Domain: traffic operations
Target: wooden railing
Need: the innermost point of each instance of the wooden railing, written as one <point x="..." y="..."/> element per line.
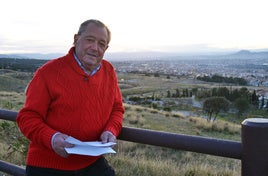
<point x="252" y="151"/>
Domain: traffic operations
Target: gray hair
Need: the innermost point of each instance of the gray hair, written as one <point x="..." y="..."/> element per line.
<point x="98" y="23"/>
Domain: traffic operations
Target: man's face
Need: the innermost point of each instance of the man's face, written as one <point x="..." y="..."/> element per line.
<point x="91" y="45"/>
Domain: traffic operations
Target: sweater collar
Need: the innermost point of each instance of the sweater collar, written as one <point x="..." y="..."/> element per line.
<point x="83" y="68"/>
<point x="75" y="64"/>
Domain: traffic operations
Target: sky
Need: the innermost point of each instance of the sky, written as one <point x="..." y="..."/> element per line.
<point x="48" y="26"/>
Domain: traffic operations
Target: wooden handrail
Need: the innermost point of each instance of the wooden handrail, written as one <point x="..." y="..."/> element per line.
<point x="252" y="151"/>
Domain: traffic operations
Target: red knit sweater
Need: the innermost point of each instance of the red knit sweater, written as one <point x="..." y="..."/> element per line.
<point x="62" y="98"/>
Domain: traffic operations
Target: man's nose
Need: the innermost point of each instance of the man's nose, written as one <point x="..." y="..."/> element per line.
<point x="94" y="45"/>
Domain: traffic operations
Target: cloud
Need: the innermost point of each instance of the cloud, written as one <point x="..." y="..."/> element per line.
<point x="31" y="46"/>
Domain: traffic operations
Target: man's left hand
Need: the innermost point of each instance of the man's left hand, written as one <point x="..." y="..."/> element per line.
<point x="107" y="136"/>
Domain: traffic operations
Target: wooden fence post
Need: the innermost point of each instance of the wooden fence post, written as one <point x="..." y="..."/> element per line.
<point x="255" y="147"/>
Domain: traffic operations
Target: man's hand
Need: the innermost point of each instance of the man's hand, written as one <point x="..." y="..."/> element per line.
<point x="107" y="136"/>
<point x="59" y="144"/>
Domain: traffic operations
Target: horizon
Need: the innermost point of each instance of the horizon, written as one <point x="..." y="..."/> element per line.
<point x="136" y="26"/>
<point x="147" y="55"/>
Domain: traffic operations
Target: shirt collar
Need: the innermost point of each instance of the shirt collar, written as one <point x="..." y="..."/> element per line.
<point x="83" y="68"/>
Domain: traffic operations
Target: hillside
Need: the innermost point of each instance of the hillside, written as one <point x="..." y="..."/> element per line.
<point x="21" y="64"/>
<point x="181" y="112"/>
<point x="144" y="160"/>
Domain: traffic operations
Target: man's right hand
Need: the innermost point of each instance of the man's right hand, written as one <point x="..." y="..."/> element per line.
<point x="59" y="144"/>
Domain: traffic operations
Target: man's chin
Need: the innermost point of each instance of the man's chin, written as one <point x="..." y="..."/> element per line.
<point x="92" y="61"/>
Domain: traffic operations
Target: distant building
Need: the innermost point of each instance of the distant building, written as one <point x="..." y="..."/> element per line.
<point x="263" y="99"/>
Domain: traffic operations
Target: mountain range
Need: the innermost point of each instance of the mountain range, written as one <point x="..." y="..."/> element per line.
<point x="121" y="56"/>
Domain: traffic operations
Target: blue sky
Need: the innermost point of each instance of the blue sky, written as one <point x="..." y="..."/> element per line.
<point x="48" y="26"/>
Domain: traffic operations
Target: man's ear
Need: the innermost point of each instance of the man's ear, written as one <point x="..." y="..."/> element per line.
<point x="75" y="38"/>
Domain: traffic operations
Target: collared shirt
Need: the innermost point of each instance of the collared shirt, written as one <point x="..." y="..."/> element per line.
<point x="83" y="68"/>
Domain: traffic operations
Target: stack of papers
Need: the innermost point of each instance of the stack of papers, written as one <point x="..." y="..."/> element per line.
<point x="89" y="148"/>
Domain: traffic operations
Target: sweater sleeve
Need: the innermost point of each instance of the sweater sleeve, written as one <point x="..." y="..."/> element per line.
<point x="116" y="117"/>
<point x="31" y="118"/>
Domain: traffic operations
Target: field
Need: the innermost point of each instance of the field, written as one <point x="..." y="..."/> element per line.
<point x="132" y="158"/>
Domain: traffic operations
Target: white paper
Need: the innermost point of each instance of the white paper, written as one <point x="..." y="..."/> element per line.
<point x="95" y="148"/>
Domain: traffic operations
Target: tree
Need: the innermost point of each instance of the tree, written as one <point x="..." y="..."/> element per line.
<point x="234" y="95"/>
<point x="214" y="91"/>
<point x="213" y="105"/>
<point x="168" y="94"/>
<point x="223" y="92"/>
<point x="156" y="75"/>
<point x="177" y="94"/>
<point x="244" y="92"/>
<point x="241" y="105"/>
<point x="186" y="93"/>
<point x="254" y="98"/>
<point x="194" y="91"/>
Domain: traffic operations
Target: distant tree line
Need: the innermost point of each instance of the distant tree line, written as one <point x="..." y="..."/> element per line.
<point x="144" y="100"/>
<point x="219" y="99"/>
<point x="221" y="79"/>
<point x="229" y="93"/>
<point x="25" y="65"/>
<point x="184" y="93"/>
<point x="214" y="100"/>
